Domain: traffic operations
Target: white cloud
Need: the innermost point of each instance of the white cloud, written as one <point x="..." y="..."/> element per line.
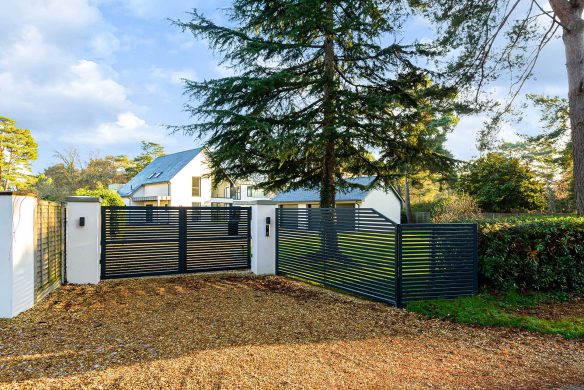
<point x="174" y="76"/>
<point x="55" y="80"/>
<point x="61" y="21"/>
<point x="181" y="41"/>
<point x="73" y="76"/>
<point x="75" y="95"/>
<point x="89" y="83"/>
<point x="177" y="77"/>
<point x="30" y="55"/>
<point x="222" y="70"/>
<point x="508" y="133"/>
<point x="127" y="129"/>
<point x="158" y="9"/>
<point x="462" y="141"/>
<point x="105" y="44"/>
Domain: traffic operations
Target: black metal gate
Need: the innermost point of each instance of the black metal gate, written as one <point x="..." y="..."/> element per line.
<point x="348" y="249"/>
<point x="146" y="241"/>
<point x="362" y="252"/>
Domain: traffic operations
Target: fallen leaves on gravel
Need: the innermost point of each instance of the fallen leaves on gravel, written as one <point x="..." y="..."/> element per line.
<point x="241" y="331"/>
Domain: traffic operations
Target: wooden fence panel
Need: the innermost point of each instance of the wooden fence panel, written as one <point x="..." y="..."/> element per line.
<point x="49" y="247"/>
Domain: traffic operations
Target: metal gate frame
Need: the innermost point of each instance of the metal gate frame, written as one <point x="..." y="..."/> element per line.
<point x="377" y="258"/>
<point x="185" y="234"/>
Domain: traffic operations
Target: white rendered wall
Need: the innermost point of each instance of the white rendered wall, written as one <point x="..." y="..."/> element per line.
<point x="244" y="196"/>
<point x="158" y="189"/>
<point x="181" y="185"/>
<point x="386" y="203"/>
<point x="17" y="214"/>
<point x="6" y="256"/>
<point x="139" y="192"/>
<point x="83" y="242"/>
<point x="263" y="247"/>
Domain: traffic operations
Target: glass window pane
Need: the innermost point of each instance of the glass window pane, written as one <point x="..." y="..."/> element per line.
<point x="196" y="186"/>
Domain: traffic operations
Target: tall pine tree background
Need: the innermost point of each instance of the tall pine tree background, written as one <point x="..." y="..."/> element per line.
<point x="323" y="91"/>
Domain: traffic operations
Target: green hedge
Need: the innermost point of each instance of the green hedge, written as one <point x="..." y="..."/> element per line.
<point x="543" y="254"/>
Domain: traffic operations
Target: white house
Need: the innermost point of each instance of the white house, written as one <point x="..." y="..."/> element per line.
<point x="181" y="179"/>
<point x="387" y="203"/>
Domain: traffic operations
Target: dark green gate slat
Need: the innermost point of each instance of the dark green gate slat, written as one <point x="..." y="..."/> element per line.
<point x="438" y="261"/>
<point x="374" y="257"/>
<point x="145" y="241"/>
<point x="348" y="249"/>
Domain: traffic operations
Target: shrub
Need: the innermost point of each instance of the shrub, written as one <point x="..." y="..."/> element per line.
<point x="456" y="209"/>
<point x="502" y="184"/>
<point x="108" y="197"/>
<point x="545" y="254"/>
<point x="423" y="207"/>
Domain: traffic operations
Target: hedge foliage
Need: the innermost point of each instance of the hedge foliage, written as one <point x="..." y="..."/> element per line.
<point x="108" y="197"/>
<point x="543" y="254"/>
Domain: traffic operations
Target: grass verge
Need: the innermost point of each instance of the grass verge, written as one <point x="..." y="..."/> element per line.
<point x="505" y="310"/>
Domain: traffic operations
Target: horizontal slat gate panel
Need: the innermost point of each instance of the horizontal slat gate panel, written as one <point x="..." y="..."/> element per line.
<point x="143" y="241"/>
<point x="349" y="249"/>
<point x="360" y="251"/>
<point x="216" y="255"/>
<point x="438" y="261"/>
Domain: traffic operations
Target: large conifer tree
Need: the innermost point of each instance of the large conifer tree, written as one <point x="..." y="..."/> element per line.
<point x="319" y="87"/>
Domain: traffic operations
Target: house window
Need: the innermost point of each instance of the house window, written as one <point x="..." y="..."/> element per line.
<point x="196" y="186"/>
<point x="254" y="192"/>
<point x="232" y="192"/>
<point x="196" y="204"/>
<point x="154" y="175"/>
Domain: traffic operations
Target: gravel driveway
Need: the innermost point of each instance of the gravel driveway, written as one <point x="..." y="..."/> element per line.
<point x="233" y="330"/>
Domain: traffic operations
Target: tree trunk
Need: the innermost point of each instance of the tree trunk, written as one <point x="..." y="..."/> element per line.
<point x="409" y="215"/>
<point x="328" y="185"/>
<point x="330" y="237"/>
<point x="6" y="175"/>
<point x="574" y="45"/>
<point x="570" y="14"/>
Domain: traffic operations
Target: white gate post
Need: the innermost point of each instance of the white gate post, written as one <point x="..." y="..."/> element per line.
<point x="83" y="239"/>
<point x="263" y="236"/>
<point x="17" y="212"/>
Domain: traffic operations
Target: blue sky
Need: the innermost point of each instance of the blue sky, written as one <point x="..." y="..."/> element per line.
<point x="101" y="75"/>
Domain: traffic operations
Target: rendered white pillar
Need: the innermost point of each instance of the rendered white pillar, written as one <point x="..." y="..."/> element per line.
<point x="83" y="242"/>
<point x="17" y="214"/>
<point x="263" y="246"/>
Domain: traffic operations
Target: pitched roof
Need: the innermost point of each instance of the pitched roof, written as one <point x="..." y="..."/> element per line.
<point x="161" y="170"/>
<point x="307" y="195"/>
